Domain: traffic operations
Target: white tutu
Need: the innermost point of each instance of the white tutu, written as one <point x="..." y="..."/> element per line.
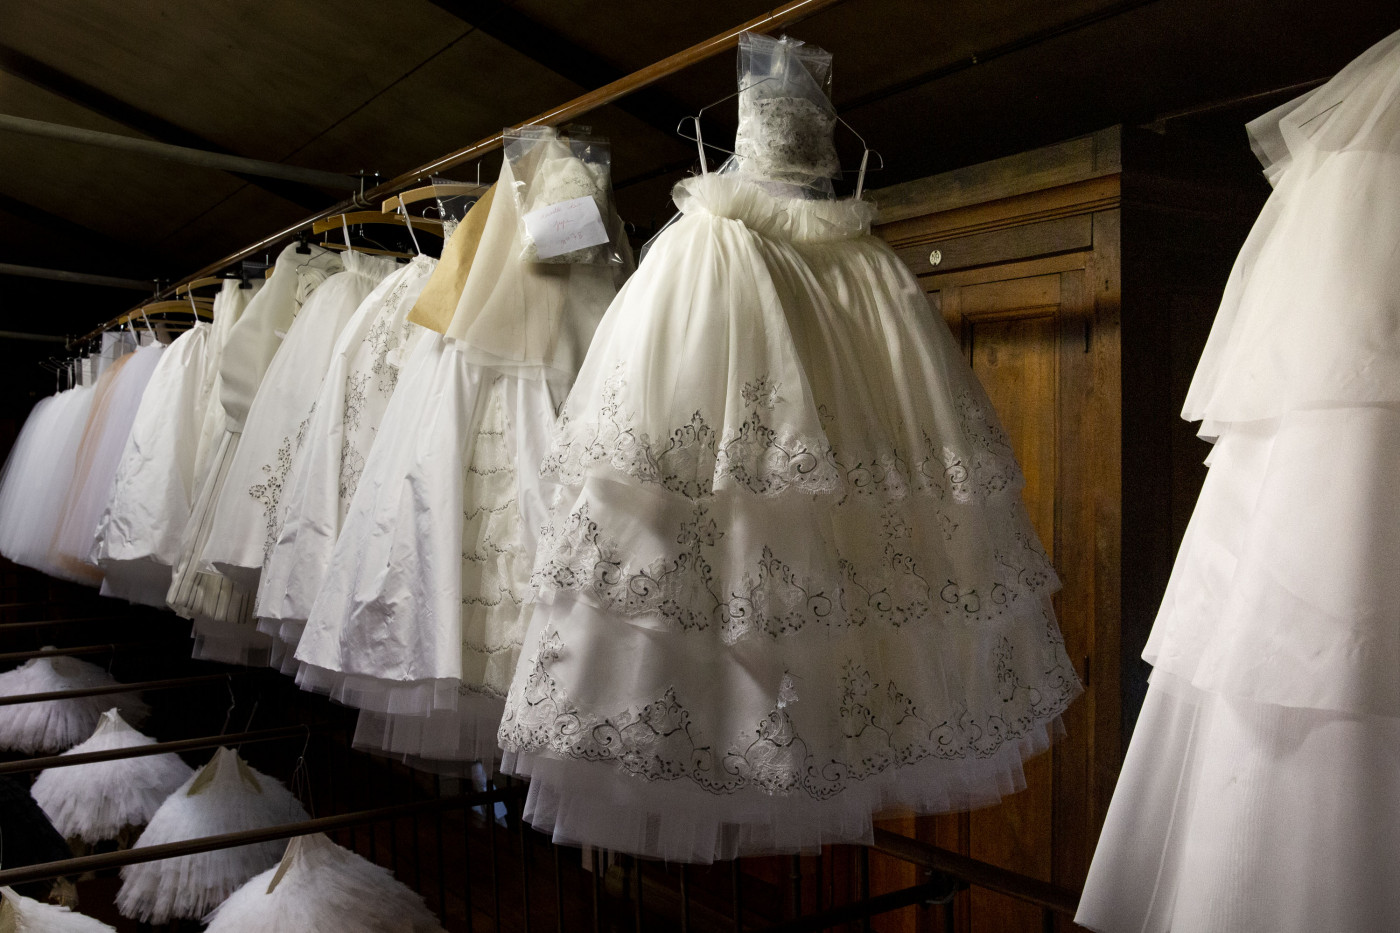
<point x="789" y="581"/>
<point x="363" y="372"/>
<point x="51" y="726"/>
<point x="27" y="461"/>
<point x="20" y="914"/>
<point x="138" y="534"/>
<point x="94" y="802"/>
<point x="117" y="398"/>
<point x="321" y="886"/>
<point x="1261" y="790"/>
<point x="225" y="796"/>
<point x="43" y="491"/>
<point x="419" y="619"/>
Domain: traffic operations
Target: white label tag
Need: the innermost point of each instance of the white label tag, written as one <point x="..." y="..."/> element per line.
<point x="566" y="226"/>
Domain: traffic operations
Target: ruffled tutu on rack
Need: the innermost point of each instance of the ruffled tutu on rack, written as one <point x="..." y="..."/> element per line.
<point x="322" y="886"/>
<point x="789" y="581"/>
<point x="224" y="796"/>
<point x="95" y="802"/>
<point x="21" y="914"/>
<point x="51" y="726"/>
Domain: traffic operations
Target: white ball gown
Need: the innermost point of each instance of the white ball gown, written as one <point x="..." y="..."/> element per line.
<point x="788" y="581"/>
<point x="419" y="620"/>
<point x="1261" y="789"/>
<point x="138" y="534"/>
<point x="345" y="418"/>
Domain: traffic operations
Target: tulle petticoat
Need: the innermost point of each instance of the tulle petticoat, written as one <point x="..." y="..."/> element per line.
<point x="37" y="502"/>
<point x="110" y="422"/>
<point x="788" y="581"/>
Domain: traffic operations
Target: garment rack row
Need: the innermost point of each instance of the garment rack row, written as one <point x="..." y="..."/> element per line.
<point x="781" y="17"/>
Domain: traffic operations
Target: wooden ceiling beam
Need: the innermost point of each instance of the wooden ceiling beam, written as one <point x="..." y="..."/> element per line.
<point x="94" y="99"/>
<point x="559" y="54"/>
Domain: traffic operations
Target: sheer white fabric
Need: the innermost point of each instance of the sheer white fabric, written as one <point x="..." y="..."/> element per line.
<point x="38" y="499"/>
<point x="1261" y="790"/>
<point x="115" y="405"/>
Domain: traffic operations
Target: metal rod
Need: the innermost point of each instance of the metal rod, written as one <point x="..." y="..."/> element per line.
<point x="781" y="17"/>
<point x="110" y="689"/>
<point x="861" y="910"/>
<point x="80" y="278"/>
<point x="36" y="338"/>
<point x="29" y="765"/>
<point x="106" y="860"/>
<point x="78" y="651"/>
<point x="596" y="865"/>
<point x="159" y="150"/>
<point x="736" y="881"/>
<point x="1000" y="880"/>
<point x="441" y="859"/>
<point x="558" y="890"/>
<point x="38" y="623"/>
<point x="796" y="877"/>
<point x="637" y="899"/>
<point x="864" y="862"/>
<point x="685" y="898"/>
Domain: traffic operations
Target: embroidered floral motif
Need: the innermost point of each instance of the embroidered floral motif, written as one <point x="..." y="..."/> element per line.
<point x="269" y="492"/>
<point x="880" y="727"/>
<point x="352" y="465"/>
<point x="355" y="399"/>
<point x="687" y="590"/>
<point x="694" y="460"/>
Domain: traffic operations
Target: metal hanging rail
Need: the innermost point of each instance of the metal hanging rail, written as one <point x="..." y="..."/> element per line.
<point x="30" y="765"/>
<point x="110" y="689"/>
<point x="201" y="157"/>
<point x="781" y="17"/>
<point x="105" y="860"/>
<point x="79" y="651"/>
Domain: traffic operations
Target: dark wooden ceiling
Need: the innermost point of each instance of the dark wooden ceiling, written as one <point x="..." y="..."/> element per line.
<point x="384" y="86"/>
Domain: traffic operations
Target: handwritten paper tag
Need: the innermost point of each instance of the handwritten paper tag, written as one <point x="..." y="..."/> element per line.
<point x="566" y="226"/>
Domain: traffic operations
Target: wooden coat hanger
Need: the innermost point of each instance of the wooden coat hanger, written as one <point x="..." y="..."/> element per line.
<point x="203" y="307"/>
<point x="427" y="192"/>
<point x="204" y="282"/>
<point x="336" y="221"/>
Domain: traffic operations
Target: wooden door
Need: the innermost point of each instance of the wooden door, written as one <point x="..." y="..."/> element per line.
<point x="1042" y="336"/>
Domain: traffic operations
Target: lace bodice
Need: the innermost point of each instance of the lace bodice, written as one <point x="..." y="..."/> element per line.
<point x="786" y="120"/>
<point x="786" y="138"/>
